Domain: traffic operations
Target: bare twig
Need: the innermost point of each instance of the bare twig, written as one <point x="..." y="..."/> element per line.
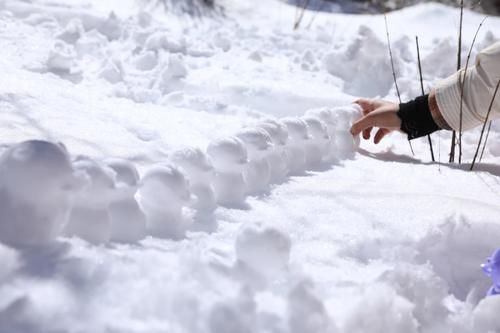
<point x="423" y="93"/>
<point x="393" y="70"/>
<point x="462" y="86"/>
<point x="484" y="124"/>
<point x="485" y="141"/>
<point x="319" y="9"/>
<point x="459" y="64"/>
<point x="299" y="13"/>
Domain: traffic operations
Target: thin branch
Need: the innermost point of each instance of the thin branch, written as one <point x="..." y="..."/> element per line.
<point x="391" y="57"/>
<point x="484" y="125"/>
<point x="299" y="14"/>
<point x="462" y="86"/>
<point x="485" y="141"/>
<point x="459" y="64"/>
<point x="318" y="10"/>
<point x="423" y="93"/>
<point x="393" y="70"/>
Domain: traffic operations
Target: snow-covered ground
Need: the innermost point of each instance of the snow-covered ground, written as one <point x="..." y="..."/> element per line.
<point x="171" y="140"/>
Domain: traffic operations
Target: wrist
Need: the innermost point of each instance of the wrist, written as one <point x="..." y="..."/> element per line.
<point x="416" y="118"/>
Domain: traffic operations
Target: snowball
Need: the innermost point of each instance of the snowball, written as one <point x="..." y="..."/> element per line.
<point x="195" y="164"/>
<point x="306" y="311"/>
<point x="128" y="222"/>
<point x="344" y="116"/>
<point x="298" y="136"/>
<point x="36" y="185"/>
<point x="380" y="310"/>
<point x="61" y="57"/>
<point x="163" y="193"/>
<point x="264" y="250"/>
<point x="126" y="172"/>
<point x="199" y="170"/>
<point x="276" y="130"/>
<point x="259" y="146"/>
<point x="90" y="218"/>
<point x="228" y="154"/>
<point x="297" y="129"/>
<point x="164" y="185"/>
<point x="319" y="147"/>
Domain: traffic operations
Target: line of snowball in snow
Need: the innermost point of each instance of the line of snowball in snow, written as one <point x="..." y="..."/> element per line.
<point x="45" y="194"/>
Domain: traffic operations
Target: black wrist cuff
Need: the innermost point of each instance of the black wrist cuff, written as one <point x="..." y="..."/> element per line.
<point x="416" y="118"/>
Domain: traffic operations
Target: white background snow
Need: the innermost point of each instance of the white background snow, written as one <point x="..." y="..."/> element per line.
<point x="169" y="157"/>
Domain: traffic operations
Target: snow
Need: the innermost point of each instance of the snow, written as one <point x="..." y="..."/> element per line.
<point x="204" y="166"/>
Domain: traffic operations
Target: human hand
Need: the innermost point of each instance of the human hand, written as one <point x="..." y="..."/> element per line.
<point x="376" y="113"/>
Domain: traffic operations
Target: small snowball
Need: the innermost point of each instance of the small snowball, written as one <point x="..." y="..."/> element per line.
<point x="61" y="57"/>
<point x="199" y="170"/>
<point x="163" y="193"/>
<point x="128" y="222"/>
<point x="344" y="116"/>
<point x="195" y="163"/>
<point x="259" y="146"/>
<point x="229" y="157"/>
<point x="278" y="159"/>
<point x="37" y="183"/>
<point x="296" y="148"/>
<point x="126" y="172"/>
<point x="146" y="61"/>
<point x="90" y="218"/>
<point x="319" y="147"/>
<point x="264" y="250"/>
<point x="228" y="154"/>
<point x="257" y="141"/>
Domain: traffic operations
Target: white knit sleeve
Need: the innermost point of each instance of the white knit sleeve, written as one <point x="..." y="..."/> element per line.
<point x="479" y="86"/>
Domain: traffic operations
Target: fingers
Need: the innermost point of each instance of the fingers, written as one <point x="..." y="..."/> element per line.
<point x="380" y="135"/>
<point x="365" y="123"/>
<point x="365" y="104"/>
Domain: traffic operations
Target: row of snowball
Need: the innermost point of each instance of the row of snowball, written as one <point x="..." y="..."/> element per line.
<point x="43" y="193"/>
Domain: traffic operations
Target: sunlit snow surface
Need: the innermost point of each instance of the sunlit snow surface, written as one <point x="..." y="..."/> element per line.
<point x="372" y="241"/>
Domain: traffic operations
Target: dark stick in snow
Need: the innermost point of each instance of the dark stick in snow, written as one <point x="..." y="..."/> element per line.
<point x="393" y="70"/>
<point x="484" y="125"/>
<point x="423" y="93"/>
